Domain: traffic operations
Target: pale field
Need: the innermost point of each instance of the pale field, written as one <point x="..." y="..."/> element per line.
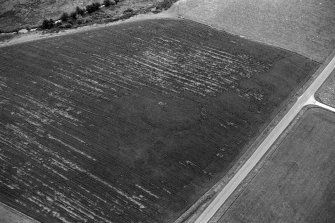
<point x="306" y="27"/>
<point x="8" y="215"/>
<point x="326" y="94"/>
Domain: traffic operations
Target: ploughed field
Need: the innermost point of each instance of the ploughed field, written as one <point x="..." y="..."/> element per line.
<point x="297" y="182"/>
<point x="132" y="123"/>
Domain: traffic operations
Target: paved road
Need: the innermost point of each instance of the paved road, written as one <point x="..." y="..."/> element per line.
<point x="306" y="98"/>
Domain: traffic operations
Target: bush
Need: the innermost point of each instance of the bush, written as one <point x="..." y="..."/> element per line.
<point x="73" y="15"/>
<point x="107" y="3"/>
<point x="68" y="25"/>
<point x="127" y="14"/>
<point x="64" y="17"/>
<point x="57" y="24"/>
<point x="65" y="26"/>
<point x="80" y="11"/>
<point x="93" y="7"/>
<point x="165" y="4"/>
<point x="128" y="11"/>
<point x="47" y="24"/>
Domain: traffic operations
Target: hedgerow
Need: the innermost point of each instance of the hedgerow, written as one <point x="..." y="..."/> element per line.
<point x="80" y="11"/>
<point x="47" y="24"/>
<point x="64" y="17"/>
<point x="93" y="7"/>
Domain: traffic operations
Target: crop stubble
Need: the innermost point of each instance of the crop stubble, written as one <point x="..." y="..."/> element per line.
<point x="133" y="122"/>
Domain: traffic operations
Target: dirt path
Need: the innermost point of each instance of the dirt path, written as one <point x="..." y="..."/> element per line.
<point x="28" y="37"/>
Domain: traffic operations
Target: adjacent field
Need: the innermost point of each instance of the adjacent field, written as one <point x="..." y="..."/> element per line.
<point x="306" y="27"/>
<point x="326" y="94"/>
<point x="297" y="182"/>
<point x="134" y="122"/>
<point x="8" y="215"/>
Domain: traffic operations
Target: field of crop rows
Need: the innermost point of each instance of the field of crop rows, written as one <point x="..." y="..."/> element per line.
<point x="132" y="123"/>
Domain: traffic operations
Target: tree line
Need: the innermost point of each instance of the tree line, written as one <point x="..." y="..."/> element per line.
<point x="65" y="17"/>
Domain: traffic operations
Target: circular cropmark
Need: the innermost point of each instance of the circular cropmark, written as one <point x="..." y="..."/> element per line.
<point x="174" y="114"/>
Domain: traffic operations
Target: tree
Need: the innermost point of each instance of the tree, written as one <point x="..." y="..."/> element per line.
<point x="165" y="4"/>
<point x="80" y="11"/>
<point x="47" y="24"/>
<point x="73" y="15"/>
<point x="107" y="3"/>
<point x="64" y="17"/>
<point x="93" y="7"/>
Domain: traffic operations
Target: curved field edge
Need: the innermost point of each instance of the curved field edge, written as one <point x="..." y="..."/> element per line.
<point x="137" y="120"/>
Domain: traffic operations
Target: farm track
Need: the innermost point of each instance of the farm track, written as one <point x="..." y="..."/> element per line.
<point x="133" y="122"/>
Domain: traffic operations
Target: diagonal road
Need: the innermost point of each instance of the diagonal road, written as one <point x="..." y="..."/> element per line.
<point x="306" y="98"/>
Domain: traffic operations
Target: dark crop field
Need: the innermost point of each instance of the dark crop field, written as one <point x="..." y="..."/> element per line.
<point x="132" y="123"/>
<point x="297" y="183"/>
